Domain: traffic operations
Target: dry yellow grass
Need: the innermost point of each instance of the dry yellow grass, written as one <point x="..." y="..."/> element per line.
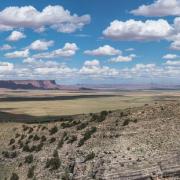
<point x="79" y="106"/>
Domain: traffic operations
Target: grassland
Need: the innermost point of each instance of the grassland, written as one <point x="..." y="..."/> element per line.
<point x="57" y="103"/>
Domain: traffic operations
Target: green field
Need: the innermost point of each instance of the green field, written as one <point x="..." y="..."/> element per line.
<point x="55" y="103"/>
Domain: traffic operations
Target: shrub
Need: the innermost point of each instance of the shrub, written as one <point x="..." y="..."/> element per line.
<point x="52" y="140"/>
<point x="104" y="113"/>
<point x="82" y="126"/>
<point x="27" y="142"/>
<point x="26" y="148"/>
<point x="6" y="154"/>
<point x="87" y="135"/>
<point x="20" y="144"/>
<point x="94" y="117"/>
<point x="122" y="114"/>
<point x="99" y="118"/>
<point x="38" y="147"/>
<point x="43" y="128"/>
<point x="30" y="137"/>
<point x="60" y="143"/>
<point x="36" y="138"/>
<point x="14" y="176"/>
<point x="29" y="159"/>
<point x="65" y="176"/>
<point x="13" y="154"/>
<point x="55" y="154"/>
<point x="69" y="124"/>
<point x="13" y="147"/>
<point x="89" y="157"/>
<point x="43" y="138"/>
<point x="30" y="173"/>
<point x="126" y="122"/>
<point x="12" y="141"/>
<point x="54" y="162"/>
<point x="30" y="130"/>
<point x="17" y="135"/>
<point x="25" y="128"/>
<point x="22" y="137"/>
<point x="53" y="130"/>
<point x="72" y="139"/>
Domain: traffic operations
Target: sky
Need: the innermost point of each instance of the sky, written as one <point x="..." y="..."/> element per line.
<point x="93" y="41"/>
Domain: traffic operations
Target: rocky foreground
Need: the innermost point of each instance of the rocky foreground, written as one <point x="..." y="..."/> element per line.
<point x="138" y="143"/>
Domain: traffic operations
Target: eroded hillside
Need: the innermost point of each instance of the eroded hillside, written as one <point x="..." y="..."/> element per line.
<point x="136" y="143"/>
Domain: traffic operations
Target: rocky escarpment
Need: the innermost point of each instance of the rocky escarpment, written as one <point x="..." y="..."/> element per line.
<point x="136" y="143"/>
<point x="28" y="84"/>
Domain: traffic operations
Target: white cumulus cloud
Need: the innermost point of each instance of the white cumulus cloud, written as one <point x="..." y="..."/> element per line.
<point x="172" y="63"/>
<point x="68" y="50"/>
<point x="170" y="56"/>
<point x="159" y="8"/>
<point x="16" y="36"/>
<point x="5" y="67"/>
<point x="55" y="17"/>
<point x="5" y="47"/>
<point x="41" y="45"/>
<point x="18" y="54"/>
<point x="122" y="58"/>
<point x="105" y="50"/>
<point x="138" y="30"/>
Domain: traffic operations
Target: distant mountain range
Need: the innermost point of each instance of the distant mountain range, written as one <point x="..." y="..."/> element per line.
<point x="29" y="84"/>
<point x="52" y="85"/>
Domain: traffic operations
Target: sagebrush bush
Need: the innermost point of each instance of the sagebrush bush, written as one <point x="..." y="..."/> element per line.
<point x="30" y="173"/>
<point x="126" y="122"/>
<point x="53" y="163"/>
<point x="13" y="147"/>
<point x="26" y="148"/>
<point x="8" y="154"/>
<point x="39" y="147"/>
<point x="22" y="137"/>
<point x="72" y="139"/>
<point x="29" y="159"/>
<point x="99" y="118"/>
<point x="89" y="156"/>
<point x="13" y="154"/>
<point x="25" y="128"/>
<point x="36" y="138"/>
<point x="53" y="130"/>
<point x="52" y="140"/>
<point x="70" y="124"/>
<point x="30" y="130"/>
<point x="82" y="126"/>
<point x="87" y="135"/>
<point x="30" y="137"/>
<point x="14" y="176"/>
<point x="12" y="141"/>
<point x="43" y="138"/>
<point x="17" y="135"/>
<point x="60" y="143"/>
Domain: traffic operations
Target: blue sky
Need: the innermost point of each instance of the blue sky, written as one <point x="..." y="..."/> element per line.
<point x="90" y="41"/>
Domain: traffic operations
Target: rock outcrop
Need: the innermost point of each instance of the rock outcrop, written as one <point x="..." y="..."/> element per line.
<point x="28" y="84"/>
